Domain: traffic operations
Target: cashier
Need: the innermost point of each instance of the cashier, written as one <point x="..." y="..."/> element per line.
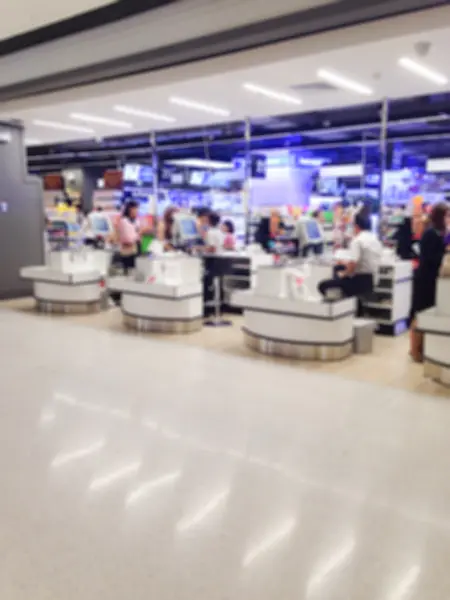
<point x="203" y="224"/>
<point x="215" y="237"/>
<point x="269" y="229"/>
<point x="165" y="231"/>
<point x="129" y="235"/>
<point x="357" y="276"/>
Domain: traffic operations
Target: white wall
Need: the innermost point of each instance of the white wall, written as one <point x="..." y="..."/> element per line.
<point x="282" y="185"/>
<point x="25" y="15"/>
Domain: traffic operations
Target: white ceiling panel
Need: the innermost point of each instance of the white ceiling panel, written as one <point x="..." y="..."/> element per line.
<point x="22" y="16"/>
<point x="178" y="22"/>
<point x="221" y="87"/>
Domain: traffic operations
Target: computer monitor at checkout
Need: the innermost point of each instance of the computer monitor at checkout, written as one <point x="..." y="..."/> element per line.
<point x="185" y="229"/>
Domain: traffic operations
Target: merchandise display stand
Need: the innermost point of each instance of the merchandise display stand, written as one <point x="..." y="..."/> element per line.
<point x="390" y="304"/>
<point x="164" y="295"/>
<point x="435" y="325"/>
<point x="70" y="282"/>
<point x="278" y="321"/>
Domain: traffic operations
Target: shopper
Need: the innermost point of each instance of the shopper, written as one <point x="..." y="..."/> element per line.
<point x="203" y="223"/>
<point x="269" y="229"/>
<point x="165" y="228"/>
<point x="357" y="276"/>
<point x="214" y="239"/>
<point x="229" y="242"/>
<point x="129" y="236"/>
<point x="432" y="250"/>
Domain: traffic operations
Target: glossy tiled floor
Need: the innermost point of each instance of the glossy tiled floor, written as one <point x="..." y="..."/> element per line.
<point x="136" y="468"/>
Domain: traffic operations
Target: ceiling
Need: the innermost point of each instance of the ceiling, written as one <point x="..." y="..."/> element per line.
<point x="28" y="16"/>
<point x="368" y="55"/>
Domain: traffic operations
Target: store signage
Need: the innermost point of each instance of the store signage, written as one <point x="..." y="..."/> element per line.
<point x="258" y="166"/>
<point x="173" y="176"/>
<point x="113" y="179"/>
<point x="53" y="182"/>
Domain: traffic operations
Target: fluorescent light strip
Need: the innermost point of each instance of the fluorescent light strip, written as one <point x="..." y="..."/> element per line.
<point x="101" y="120"/>
<point x="62" y="126"/>
<point x="273" y="95"/>
<point x="213" y="504"/>
<point x="200" y="163"/>
<point x="122" y="473"/>
<point x="343" y="82"/>
<point x="146" y="488"/>
<point x="185" y="103"/>
<point x="270" y="541"/>
<point x="63" y="459"/>
<point x="422" y="71"/>
<point x="137" y="112"/>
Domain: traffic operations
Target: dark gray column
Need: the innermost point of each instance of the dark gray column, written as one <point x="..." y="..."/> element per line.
<point x="21" y="213"/>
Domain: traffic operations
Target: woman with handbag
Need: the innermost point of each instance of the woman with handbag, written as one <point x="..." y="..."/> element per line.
<point x="129" y="236"/>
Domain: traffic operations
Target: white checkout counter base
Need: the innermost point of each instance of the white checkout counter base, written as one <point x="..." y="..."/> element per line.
<point x="160" y="308"/>
<point x="435" y="325"/>
<point x="299" y="329"/>
<point x="62" y="292"/>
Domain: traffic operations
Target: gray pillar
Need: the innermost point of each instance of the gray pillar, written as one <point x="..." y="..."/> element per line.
<point x="248" y="178"/>
<point x="21" y="213"/>
<point x="383" y="143"/>
<point x="155" y="164"/>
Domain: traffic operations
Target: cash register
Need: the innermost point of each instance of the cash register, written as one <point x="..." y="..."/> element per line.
<point x="310" y="237"/>
<point x="185" y="232"/>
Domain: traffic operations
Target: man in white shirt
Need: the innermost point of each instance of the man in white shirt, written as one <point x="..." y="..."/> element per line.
<point x="358" y="276"/>
<point x="215" y="238"/>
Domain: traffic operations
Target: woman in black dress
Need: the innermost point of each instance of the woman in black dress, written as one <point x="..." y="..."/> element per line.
<point x="432" y="250"/>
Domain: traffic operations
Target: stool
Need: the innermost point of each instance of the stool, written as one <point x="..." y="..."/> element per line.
<point x="363" y="330"/>
<point x="216" y="268"/>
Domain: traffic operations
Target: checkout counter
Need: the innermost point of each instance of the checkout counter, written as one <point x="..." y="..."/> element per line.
<point x="70" y="281"/>
<point x="284" y="315"/>
<point x="163" y="295"/>
<point x="435" y="325"/>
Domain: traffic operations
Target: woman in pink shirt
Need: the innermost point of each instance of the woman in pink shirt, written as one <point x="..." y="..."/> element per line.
<point x="229" y="242"/>
<point x="129" y="235"/>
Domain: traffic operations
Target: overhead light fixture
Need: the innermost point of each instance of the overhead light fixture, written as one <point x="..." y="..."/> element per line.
<point x="62" y="126"/>
<point x="343" y="82"/>
<point x="137" y="112"/>
<point x="213" y="110"/>
<point x="101" y="120"/>
<point x="201" y="163"/>
<point x="422" y="71"/>
<point x="272" y="94"/>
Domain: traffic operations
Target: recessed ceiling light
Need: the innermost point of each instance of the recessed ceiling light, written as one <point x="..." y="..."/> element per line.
<point x="418" y="69"/>
<point x="213" y="110"/>
<point x="137" y="112"/>
<point x="344" y="82"/>
<point x="62" y="126"/>
<point x="273" y="95"/>
<point x="100" y="120"/>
